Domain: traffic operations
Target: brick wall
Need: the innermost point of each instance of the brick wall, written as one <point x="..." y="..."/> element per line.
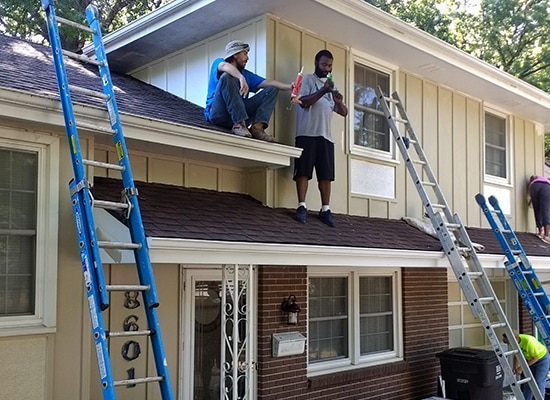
<point x="425" y="327"/>
<point x="525" y="322"/>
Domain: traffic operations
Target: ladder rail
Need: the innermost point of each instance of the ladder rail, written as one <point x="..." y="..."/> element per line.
<point x="135" y="223"/>
<point x="459" y="249"/>
<point x="83" y="204"/>
<point x="519" y="268"/>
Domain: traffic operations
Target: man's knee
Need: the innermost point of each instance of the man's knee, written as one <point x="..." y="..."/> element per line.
<point x="228" y="81"/>
<point x="271" y="91"/>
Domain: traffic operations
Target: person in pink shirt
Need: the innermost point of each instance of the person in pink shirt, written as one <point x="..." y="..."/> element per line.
<point x="539" y="197"/>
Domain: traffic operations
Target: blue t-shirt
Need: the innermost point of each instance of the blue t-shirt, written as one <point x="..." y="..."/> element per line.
<point x="251" y="78"/>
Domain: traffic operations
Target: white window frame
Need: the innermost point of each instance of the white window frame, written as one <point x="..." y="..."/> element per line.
<point x="492" y="178"/>
<point x="365" y="60"/>
<point x="509" y="305"/>
<point x="355" y="360"/>
<point x="47" y="148"/>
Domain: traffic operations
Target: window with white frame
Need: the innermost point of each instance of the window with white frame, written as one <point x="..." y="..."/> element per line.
<point x="18" y="202"/>
<point x="28" y="231"/>
<point x="495" y="146"/>
<point x="465" y="329"/>
<point x="353" y="318"/>
<point x="370" y="127"/>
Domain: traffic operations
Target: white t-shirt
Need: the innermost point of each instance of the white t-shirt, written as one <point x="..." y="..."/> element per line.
<point x="315" y="120"/>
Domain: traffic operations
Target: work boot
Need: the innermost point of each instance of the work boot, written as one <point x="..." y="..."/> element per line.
<point x="257" y="130"/>
<point x="239" y="129"/>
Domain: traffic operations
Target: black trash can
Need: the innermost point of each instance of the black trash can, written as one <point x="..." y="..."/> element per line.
<point x="471" y="374"/>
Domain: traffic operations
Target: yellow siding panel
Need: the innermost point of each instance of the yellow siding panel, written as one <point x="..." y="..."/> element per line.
<point x="202" y="176"/>
<point x="459" y="159"/>
<point x="166" y="171"/>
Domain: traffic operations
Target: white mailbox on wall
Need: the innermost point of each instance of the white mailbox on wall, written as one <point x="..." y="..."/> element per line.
<point x="288" y="344"/>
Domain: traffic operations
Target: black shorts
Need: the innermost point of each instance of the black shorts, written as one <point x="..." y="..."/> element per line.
<point x="317" y="152"/>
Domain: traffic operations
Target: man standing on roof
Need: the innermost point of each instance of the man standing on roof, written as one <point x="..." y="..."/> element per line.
<point x="227" y="101"/>
<point x="317" y="99"/>
<point x="538" y="359"/>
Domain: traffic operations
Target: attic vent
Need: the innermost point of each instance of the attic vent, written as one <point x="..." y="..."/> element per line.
<point x="430" y="67"/>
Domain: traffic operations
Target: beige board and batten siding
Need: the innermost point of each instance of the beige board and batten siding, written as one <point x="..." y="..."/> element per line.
<point x="449" y="123"/>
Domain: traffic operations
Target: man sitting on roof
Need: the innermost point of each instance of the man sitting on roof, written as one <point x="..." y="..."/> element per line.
<point x="227" y="101"/>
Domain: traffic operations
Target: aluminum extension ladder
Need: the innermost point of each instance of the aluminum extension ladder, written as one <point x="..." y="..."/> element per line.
<point x="458" y="248"/>
<point x="97" y="291"/>
<point x="519" y="268"/>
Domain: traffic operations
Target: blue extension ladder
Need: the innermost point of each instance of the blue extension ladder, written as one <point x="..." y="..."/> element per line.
<point x="97" y="291"/>
<point x="519" y="268"/>
<point x="457" y="246"/>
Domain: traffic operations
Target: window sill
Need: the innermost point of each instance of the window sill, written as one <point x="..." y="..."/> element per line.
<point x="356" y="374"/>
<point x="27" y="330"/>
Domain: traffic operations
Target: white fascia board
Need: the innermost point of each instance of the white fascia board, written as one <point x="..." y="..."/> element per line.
<point x="200" y="139"/>
<point x="414" y="37"/>
<point x="150" y="22"/>
<point x="191" y="251"/>
<point x="20" y="105"/>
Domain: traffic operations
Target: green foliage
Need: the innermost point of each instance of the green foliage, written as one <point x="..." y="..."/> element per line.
<point x="512" y="35"/>
<point x="26" y="18"/>
<point x="509" y="34"/>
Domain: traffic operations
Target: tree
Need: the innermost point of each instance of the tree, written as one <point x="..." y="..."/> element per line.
<point x="509" y="34"/>
<point x="26" y="19"/>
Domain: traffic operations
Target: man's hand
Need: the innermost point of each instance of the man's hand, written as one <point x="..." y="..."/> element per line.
<point x="244" y="86"/>
<point x="338" y="98"/>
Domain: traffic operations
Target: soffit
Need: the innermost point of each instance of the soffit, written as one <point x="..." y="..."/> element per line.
<point x="353" y="22"/>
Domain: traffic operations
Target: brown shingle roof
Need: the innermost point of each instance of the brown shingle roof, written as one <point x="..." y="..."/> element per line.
<point x="177" y="212"/>
<point x="203" y="214"/>
<point x="29" y="67"/>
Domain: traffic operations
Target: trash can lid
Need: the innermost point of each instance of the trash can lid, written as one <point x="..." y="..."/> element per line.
<point x="468" y="354"/>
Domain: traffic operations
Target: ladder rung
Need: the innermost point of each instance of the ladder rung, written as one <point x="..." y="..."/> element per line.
<point x="80" y="57"/>
<point x="95" y="127"/>
<point x="390" y="99"/>
<point x="499" y="325"/>
<point x="118" y="245"/>
<point x="485" y="300"/>
<point x="475" y="273"/>
<point x="440" y="206"/>
<point x="453" y="226"/>
<point x="510" y="352"/>
<point x="427" y="183"/>
<point x="138" y="380"/>
<point x="522" y="381"/>
<point x="103" y="165"/>
<point x="93" y="93"/>
<point x="539" y="294"/>
<point x="126" y="288"/>
<point x="110" y="205"/>
<point x="74" y="24"/>
<point x="404" y="121"/>
<point x="146" y="332"/>
<point x="419" y="162"/>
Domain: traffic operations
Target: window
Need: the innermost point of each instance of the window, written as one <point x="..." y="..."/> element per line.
<point x="18" y="196"/>
<point x="370" y="127"/>
<point x="352" y="318"/>
<point x="465" y="329"/>
<point x="495" y="146"/>
<point x="29" y="177"/>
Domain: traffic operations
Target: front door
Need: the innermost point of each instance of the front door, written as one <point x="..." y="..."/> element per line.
<point x="218" y="362"/>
